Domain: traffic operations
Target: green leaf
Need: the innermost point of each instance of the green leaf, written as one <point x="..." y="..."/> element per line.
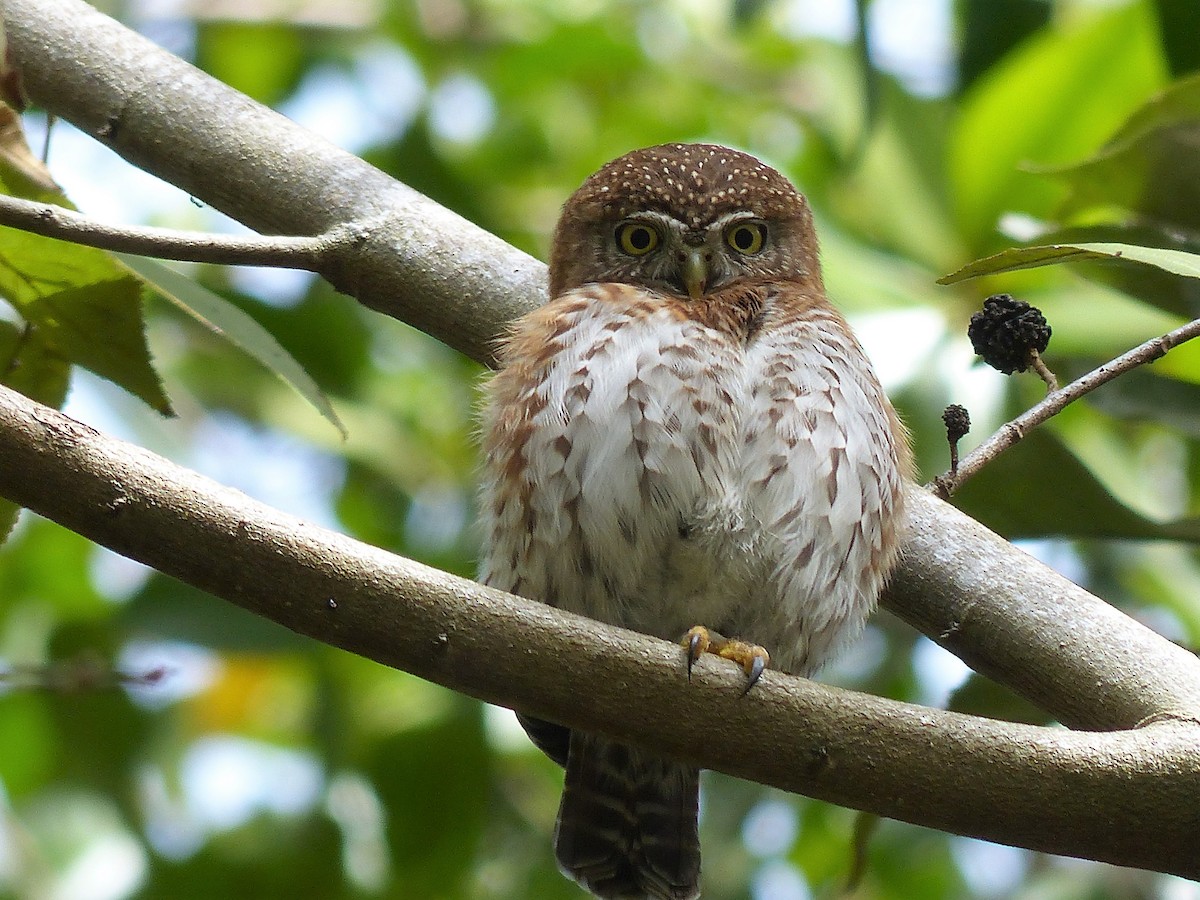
<point x="99" y="326"/>
<point x="1141" y="395"/>
<point x="83" y="304"/>
<point x="1175" y="294"/>
<point x="31" y="367"/>
<point x="263" y="60"/>
<point x="1178" y="25"/>
<point x="28" y="746"/>
<point x="1177" y="262"/>
<point x="1012" y="496"/>
<point x="980" y="696"/>
<point x="992" y="28"/>
<point x="434" y="822"/>
<point x="1150" y="166"/>
<point x="175" y="611"/>
<point x="236" y="326"/>
<point x="1055" y="99"/>
<point x="48" y="565"/>
<point x="896" y="195"/>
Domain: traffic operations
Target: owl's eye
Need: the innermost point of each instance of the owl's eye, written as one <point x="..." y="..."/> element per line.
<point x="636" y="238"/>
<point x="746" y="237"/>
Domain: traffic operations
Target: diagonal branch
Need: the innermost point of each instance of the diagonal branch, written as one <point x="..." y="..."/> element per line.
<point x="422" y="263"/>
<point x="1036" y="787"/>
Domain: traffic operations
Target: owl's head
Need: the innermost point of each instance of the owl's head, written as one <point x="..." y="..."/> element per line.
<point x="685" y="220"/>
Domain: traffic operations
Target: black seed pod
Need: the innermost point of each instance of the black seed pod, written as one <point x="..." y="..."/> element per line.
<point x="958" y="422"/>
<point x="1007" y="332"/>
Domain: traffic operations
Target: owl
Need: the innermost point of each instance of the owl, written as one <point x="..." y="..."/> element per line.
<point x="687" y="441"/>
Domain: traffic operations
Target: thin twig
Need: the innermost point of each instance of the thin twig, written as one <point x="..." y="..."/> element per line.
<point x="1039" y="365"/>
<point x="76" y="676"/>
<point x="283" y="251"/>
<point x="1054" y="403"/>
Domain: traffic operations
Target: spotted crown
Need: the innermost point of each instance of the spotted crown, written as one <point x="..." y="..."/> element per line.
<point x="705" y="180"/>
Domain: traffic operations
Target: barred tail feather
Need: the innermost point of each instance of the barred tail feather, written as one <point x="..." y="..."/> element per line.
<point x="627" y="824"/>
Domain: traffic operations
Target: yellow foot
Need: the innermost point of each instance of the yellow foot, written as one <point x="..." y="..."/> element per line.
<point x="752" y="658"/>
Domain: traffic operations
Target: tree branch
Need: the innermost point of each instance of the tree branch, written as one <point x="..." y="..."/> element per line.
<point x="290" y="252"/>
<point x="1056" y="401"/>
<point x="1107" y="796"/>
<point x="1114" y="797"/>
<point x="417" y="261"/>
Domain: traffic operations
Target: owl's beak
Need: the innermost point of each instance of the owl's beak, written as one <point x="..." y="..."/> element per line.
<point x="695" y="272"/>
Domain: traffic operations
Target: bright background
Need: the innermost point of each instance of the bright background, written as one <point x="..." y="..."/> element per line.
<point x="266" y="765"/>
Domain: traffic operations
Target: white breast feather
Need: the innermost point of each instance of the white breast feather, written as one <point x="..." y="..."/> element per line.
<point x="678" y="478"/>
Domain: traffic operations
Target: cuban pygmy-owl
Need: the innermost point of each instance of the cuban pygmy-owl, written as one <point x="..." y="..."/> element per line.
<point x="687" y="434"/>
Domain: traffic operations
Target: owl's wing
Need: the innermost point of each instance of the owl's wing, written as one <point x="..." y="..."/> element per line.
<point x="821" y="476"/>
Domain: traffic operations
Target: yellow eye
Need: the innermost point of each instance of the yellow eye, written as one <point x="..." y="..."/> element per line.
<point x="746" y="237"/>
<point x="636" y="238"/>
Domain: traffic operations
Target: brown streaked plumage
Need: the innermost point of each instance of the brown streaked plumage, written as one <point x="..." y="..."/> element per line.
<point x="688" y="434"/>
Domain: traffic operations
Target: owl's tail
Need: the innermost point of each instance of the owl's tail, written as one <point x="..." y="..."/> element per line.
<point x="627" y="824"/>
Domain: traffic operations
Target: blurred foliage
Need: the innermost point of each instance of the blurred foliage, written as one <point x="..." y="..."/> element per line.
<point x="156" y="742"/>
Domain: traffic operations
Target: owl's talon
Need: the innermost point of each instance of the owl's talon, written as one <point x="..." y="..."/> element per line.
<point x="752" y="658"/>
<point x="697" y="641"/>
<point x="758" y="665"/>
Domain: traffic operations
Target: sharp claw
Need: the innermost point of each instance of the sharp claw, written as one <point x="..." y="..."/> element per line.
<point x="757" y="666"/>
<point x="694" y="651"/>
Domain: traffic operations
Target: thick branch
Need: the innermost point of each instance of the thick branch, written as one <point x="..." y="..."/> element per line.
<point x="430" y="267"/>
<point x="1013" y="619"/>
<point x="1114" y="796"/>
<point x="417" y="261"/>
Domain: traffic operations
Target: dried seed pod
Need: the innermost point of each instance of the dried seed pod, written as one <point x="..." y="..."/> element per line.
<point x="1008" y="333"/>
<point x="958" y="422"/>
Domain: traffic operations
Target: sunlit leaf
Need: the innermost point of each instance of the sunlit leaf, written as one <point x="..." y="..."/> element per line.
<point x="896" y="195"/>
<point x="261" y="59"/>
<point x="50" y="564"/>
<point x="223" y="318"/>
<point x="28" y="743"/>
<point x="99" y="326"/>
<point x="1176" y="294"/>
<point x="1177" y="262"/>
<point x="1150" y="166"/>
<point x="1053" y="100"/>
<point x="83" y="304"/>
